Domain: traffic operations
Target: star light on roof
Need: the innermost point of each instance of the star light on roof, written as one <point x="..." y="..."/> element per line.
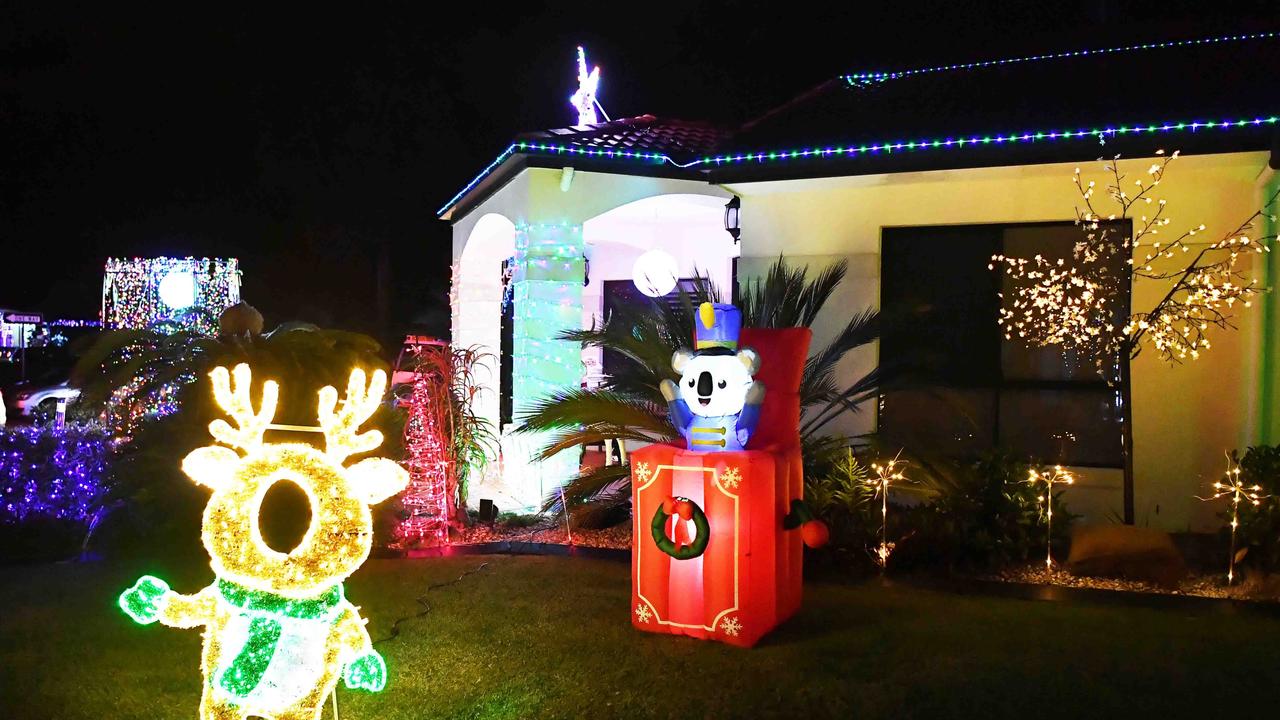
<point x="584" y="100"/>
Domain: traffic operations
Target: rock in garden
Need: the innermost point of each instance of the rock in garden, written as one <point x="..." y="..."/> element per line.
<point x="1125" y="552"/>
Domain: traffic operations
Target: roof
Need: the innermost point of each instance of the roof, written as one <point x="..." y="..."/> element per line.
<point x="646" y="133"/>
<point x="1194" y="95"/>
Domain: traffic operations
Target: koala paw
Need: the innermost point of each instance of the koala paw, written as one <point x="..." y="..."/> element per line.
<point x="367" y="672"/>
<point x="142" y="602"/>
<point x="669" y="390"/>
<point x="743" y="436"/>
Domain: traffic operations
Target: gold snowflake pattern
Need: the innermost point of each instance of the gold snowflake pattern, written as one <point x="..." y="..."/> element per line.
<point x="730" y="478"/>
<point x="642" y="472"/>
<point x="730" y="626"/>
<point x="642" y="613"/>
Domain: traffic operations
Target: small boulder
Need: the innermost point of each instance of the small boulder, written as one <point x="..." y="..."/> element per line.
<point x="240" y="320"/>
<point x="1125" y="552"/>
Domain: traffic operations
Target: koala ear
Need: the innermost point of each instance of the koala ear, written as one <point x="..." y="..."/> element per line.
<point x="211" y="466"/>
<point x="749" y="359"/>
<point x="376" y="479"/>
<point x="680" y="359"/>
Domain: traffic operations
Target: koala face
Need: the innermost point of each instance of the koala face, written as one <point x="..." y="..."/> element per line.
<point x="715" y="384"/>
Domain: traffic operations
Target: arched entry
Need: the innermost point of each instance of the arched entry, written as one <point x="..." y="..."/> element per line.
<point x="477" y="306"/>
<point x="689" y="227"/>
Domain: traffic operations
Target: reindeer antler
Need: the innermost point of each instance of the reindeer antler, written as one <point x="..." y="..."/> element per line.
<point x="239" y="405"/>
<point x="341" y="429"/>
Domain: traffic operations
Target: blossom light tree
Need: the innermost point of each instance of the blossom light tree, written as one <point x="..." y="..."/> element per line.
<point x="1081" y="305"/>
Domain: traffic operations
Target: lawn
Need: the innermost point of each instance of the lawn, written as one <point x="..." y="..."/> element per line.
<point x="529" y="637"/>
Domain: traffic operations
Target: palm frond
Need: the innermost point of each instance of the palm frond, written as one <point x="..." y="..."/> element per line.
<point x="576" y="407"/>
<point x="587" y="484"/>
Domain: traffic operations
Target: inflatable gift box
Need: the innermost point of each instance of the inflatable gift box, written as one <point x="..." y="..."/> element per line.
<point x="712" y="556"/>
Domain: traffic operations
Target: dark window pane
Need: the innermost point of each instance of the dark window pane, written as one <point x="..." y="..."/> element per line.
<point x="938" y="278"/>
<point x="1068" y="427"/>
<point x="1054" y="242"/>
<point x="619" y="293"/>
<point x="953" y="422"/>
<point x="941" y="302"/>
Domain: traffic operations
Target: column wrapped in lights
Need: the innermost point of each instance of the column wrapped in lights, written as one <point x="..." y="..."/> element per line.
<point x="547" y="292"/>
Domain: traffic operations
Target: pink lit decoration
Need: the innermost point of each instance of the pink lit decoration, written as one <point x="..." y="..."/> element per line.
<point x="427" y="437"/>
<point x="584" y="100"/>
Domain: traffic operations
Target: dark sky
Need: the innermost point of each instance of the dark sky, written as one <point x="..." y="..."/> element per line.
<point x="316" y="147"/>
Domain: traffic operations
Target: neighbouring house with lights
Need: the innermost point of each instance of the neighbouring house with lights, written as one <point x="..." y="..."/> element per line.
<point x="916" y="178"/>
<point x="174" y="293"/>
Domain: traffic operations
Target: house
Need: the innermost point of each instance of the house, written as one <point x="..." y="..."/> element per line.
<point x="916" y="177"/>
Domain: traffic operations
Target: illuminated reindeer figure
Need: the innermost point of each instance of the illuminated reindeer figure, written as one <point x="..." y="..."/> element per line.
<point x="278" y="629"/>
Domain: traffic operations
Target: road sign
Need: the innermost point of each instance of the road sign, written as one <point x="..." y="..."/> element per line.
<point x="25" y="318"/>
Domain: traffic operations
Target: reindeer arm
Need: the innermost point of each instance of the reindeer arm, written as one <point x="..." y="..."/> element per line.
<point x="186" y="611"/>
<point x="364" y="668"/>
<point x="150" y="599"/>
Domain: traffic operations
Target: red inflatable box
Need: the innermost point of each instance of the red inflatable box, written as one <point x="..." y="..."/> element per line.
<point x="729" y="505"/>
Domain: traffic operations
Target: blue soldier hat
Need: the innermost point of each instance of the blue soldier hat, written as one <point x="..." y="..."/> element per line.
<point x="717" y="326"/>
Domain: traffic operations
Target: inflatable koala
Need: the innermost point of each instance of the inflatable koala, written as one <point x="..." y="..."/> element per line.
<point x="716" y="404"/>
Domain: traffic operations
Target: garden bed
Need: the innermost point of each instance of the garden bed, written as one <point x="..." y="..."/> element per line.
<point x="1253" y="589"/>
<point x="617" y="537"/>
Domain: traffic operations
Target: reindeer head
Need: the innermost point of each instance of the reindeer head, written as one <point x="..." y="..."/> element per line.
<point x="341" y="531"/>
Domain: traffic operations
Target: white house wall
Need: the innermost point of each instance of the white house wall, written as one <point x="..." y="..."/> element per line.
<point x="1184" y="416"/>
<point x="536" y="197"/>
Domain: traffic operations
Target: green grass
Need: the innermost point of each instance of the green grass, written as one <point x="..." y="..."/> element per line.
<point x="530" y="637"/>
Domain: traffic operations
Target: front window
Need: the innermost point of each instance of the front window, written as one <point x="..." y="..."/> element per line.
<point x="973" y="390"/>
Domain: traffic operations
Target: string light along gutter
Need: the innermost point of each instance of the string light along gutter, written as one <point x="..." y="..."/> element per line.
<point x="840" y="151"/>
<point x="858" y="79"/>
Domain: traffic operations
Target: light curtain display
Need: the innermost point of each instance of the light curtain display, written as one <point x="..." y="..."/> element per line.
<point x="173" y="293"/>
<point x="279" y="631"/>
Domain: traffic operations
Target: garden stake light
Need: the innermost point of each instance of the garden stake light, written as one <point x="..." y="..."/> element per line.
<point x="1058" y="476"/>
<point x="1232" y="485"/>
<point x="886" y="476"/>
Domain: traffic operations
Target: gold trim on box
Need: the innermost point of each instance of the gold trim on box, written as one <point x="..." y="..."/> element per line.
<point x="737" y="529"/>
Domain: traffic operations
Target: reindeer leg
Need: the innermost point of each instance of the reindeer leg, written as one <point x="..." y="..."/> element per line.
<point x="311" y="707"/>
<point x="213" y="708"/>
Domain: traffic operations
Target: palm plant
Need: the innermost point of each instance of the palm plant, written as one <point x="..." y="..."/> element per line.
<point x="628" y="405"/>
<point x="139" y="377"/>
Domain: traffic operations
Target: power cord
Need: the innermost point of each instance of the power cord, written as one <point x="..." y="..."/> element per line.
<point x="421" y="600"/>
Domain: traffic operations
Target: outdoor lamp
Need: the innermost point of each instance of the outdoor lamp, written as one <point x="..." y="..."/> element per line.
<point x="731" y="220"/>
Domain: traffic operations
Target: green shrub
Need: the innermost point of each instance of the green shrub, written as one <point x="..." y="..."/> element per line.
<point x="1260" y="525"/>
<point x="985" y="514"/>
<point x="968" y="515"/>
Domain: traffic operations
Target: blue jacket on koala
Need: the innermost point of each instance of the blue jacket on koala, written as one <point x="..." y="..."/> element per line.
<point x="720" y="433"/>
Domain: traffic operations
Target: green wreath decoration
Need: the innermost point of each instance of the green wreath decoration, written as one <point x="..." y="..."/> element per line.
<point x="668" y="546"/>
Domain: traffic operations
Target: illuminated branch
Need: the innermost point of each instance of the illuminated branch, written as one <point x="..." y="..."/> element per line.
<point x="1073" y="303"/>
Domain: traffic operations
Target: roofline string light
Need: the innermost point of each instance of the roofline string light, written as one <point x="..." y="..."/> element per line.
<point x="857" y="79"/>
<point x="839" y="151"/>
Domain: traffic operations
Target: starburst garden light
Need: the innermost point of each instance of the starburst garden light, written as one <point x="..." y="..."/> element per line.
<point x="1232" y="486"/>
<point x="887" y="475"/>
<point x="169" y="293"/>
<point x="1056" y="476"/>
<point x="279" y="631"/>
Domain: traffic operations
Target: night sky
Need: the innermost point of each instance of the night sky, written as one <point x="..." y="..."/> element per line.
<point x="316" y="147"/>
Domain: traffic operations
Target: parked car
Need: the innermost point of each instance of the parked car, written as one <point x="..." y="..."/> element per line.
<point x="28" y="399"/>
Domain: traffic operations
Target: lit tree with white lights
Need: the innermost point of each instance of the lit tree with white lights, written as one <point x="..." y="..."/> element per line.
<point x="1078" y="305"/>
